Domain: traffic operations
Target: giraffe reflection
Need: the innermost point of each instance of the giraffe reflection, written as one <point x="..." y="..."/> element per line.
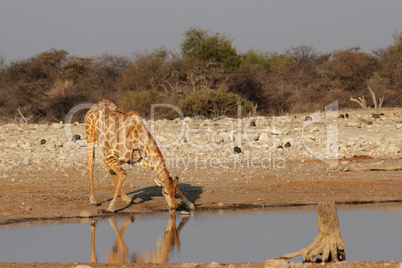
<point x="120" y="254"/>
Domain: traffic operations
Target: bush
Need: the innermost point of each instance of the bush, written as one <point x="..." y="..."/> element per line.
<point x="200" y="44"/>
<point x="141" y="101"/>
<point x="212" y="103"/>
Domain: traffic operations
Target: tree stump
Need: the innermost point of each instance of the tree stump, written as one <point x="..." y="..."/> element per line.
<point x="329" y="242"/>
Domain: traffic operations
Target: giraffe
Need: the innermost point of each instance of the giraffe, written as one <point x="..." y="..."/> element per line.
<point x="120" y="254"/>
<point x="164" y="245"/>
<point x="123" y="137"/>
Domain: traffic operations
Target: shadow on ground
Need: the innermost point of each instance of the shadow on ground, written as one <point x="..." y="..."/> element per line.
<point x="192" y="193"/>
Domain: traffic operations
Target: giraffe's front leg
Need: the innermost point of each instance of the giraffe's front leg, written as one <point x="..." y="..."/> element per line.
<point x="115" y="178"/>
<point x="185" y="200"/>
<point x="114" y="165"/>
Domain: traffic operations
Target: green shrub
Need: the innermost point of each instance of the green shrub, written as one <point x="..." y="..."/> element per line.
<point x="202" y="45"/>
<point x="212" y="103"/>
<point x="141" y="101"/>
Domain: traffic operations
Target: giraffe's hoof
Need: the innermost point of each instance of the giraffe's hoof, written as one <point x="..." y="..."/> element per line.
<point x="192" y="207"/>
<point x="127" y="200"/>
<point x="111" y="209"/>
<point x="92" y="201"/>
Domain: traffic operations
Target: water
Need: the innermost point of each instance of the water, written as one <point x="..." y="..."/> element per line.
<point x="371" y="233"/>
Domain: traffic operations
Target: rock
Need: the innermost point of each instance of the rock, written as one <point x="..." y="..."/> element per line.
<point x="287" y="145"/>
<point x="75" y="138"/>
<point x="42" y="141"/>
<point x="354" y="123"/>
<point x="185" y="213"/>
<point x="86" y="214"/>
<point x="276" y="263"/>
<point x="237" y="150"/>
<point x="264" y="137"/>
<point x="213" y="264"/>
<point x="189" y="265"/>
<point x="308" y="118"/>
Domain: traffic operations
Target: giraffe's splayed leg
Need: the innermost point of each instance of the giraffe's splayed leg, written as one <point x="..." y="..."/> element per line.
<point x="185" y="201"/>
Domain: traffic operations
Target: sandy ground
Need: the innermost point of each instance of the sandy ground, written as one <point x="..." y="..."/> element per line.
<point x="29" y="195"/>
<point x="58" y="195"/>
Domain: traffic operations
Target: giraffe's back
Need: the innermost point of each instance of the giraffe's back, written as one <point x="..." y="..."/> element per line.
<point x="110" y="127"/>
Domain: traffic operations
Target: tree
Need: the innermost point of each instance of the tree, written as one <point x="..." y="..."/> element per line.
<point x="304" y="55"/>
<point x="202" y="45"/>
<point x="255" y="57"/>
<point x="349" y="69"/>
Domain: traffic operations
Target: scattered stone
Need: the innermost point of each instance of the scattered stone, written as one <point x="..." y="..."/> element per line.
<point x="287" y="145"/>
<point x="86" y="214"/>
<point x="276" y="263"/>
<point x="347" y="116"/>
<point x="75" y="138"/>
<point x="376" y="116"/>
<point x="237" y="150"/>
<point x="185" y="213"/>
<point x="221" y="204"/>
<point x="213" y="264"/>
<point x="42" y="141"/>
<point x="368" y="122"/>
<point x="341" y="116"/>
<point x="252" y="124"/>
<point x="264" y="138"/>
<point x="189" y="265"/>
<point x="354" y="123"/>
<point x="308" y="118"/>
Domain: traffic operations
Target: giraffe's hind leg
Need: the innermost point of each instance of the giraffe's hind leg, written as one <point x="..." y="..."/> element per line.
<point x="90" y="163"/>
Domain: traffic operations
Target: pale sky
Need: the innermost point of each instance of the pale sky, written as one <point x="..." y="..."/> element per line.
<point x="123" y="27"/>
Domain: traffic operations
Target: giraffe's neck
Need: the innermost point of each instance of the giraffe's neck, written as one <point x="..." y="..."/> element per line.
<point x="156" y="160"/>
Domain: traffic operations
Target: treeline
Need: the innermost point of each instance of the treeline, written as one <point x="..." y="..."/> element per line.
<point x="208" y="77"/>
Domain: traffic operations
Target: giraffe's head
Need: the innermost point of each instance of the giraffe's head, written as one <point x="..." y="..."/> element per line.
<point x="169" y="192"/>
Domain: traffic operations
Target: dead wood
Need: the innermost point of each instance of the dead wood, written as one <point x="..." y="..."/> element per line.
<point x="361" y="101"/>
<point x="329" y="242"/>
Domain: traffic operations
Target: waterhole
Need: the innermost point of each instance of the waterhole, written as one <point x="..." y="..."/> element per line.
<point x="370" y="232"/>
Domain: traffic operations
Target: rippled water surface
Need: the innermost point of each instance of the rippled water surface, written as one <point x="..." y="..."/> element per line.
<point x="369" y="232"/>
